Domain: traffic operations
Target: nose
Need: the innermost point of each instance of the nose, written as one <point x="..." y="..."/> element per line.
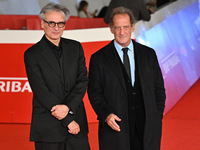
<point x="122" y="30"/>
<point x="56" y="27"/>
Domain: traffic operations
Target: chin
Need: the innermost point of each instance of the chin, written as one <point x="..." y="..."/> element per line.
<point x="55" y="37"/>
<point x="123" y="44"/>
<point x="123" y="41"/>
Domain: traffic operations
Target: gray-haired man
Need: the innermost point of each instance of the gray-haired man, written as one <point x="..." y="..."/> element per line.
<point x="57" y="74"/>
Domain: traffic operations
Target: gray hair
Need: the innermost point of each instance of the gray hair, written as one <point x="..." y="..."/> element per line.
<point x="121" y="10"/>
<point x="54" y="7"/>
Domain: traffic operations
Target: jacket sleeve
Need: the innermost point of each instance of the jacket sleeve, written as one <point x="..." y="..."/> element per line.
<point x="75" y="97"/>
<point x="159" y="88"/>
<point x="37" y="83"/>
<point x="95" y="91"/>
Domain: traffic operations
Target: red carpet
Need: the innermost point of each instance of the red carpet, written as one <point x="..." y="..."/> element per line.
<point x="181" y="128"/>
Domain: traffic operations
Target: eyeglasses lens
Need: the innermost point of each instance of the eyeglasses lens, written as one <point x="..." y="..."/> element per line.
<point x="53" y="24"/>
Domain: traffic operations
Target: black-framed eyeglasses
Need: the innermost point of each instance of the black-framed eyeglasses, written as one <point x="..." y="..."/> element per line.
<point x="53" y="24"/>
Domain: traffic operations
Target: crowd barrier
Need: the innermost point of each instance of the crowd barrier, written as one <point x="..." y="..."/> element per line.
<point x="33" y="22"/>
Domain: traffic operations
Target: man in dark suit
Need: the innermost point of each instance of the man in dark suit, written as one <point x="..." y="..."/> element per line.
<point x="138" y="8"/>
<point x="126" y="90"/>
<point x="57" y="74"/>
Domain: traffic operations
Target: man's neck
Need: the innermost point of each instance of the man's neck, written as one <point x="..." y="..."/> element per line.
<point x="55" y="42"/>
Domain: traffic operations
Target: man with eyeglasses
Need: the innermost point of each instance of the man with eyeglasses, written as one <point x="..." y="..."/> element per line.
<point x="57" y="74"/>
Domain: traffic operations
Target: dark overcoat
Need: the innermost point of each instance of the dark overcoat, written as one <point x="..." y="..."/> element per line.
<point x="107" y="94"/>
<point x="44" y="75"/>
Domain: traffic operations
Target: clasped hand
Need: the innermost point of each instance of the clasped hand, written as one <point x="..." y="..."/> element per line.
<point x="74" y="127"/>
<point x="59" y="111"/>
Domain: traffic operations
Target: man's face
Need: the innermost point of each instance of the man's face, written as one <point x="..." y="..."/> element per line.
<point x="122" y="29"/>
<point x="53" y="33"/>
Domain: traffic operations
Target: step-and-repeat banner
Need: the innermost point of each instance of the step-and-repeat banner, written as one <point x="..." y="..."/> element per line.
<point x="176" y="41"/>
<point x="15" y="91"/>
<point x="177" y="44"/>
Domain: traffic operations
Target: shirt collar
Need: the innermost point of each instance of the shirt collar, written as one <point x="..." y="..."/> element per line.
<point x="119" y="47"/>
<point x="53" y="45"/>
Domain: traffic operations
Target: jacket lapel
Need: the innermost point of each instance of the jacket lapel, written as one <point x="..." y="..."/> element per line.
<point x="139" y="61"/>
<point x="67" y="59"/>
<point x="49" y="56"/>
<point x="112" y="57"/>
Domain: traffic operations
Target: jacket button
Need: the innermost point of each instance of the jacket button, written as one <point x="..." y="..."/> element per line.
<point x="132" y="107"/>
<point x="133" y="93"/>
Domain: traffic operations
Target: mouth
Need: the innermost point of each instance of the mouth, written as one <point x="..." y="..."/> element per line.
<point x="122" y="37"/>
<point x="56" y="32"/>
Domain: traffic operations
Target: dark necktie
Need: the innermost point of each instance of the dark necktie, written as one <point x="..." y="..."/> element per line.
<point x="126" y="62"/>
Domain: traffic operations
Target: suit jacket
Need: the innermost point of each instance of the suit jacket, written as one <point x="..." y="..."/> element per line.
<point x="107" y="94"/>
<point x="44" y="75"/>
<point x="136" y="6"/>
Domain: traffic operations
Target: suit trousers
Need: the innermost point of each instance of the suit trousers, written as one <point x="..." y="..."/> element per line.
<point x="71" y="143"/>
<point x="136" y="142"/>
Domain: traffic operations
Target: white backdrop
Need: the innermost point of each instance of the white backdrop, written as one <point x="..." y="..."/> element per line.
<point x="33" y="7"/>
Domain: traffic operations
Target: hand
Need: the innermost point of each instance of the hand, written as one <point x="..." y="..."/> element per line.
<point x="73" y="128"/>
<point x="60" y="111"/>
<point x="111" y="121"/>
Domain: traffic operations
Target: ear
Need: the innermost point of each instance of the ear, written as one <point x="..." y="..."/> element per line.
<point x="133" y="28"/>
<point x="42" y="24"/>
<point x="111" y="30"/>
